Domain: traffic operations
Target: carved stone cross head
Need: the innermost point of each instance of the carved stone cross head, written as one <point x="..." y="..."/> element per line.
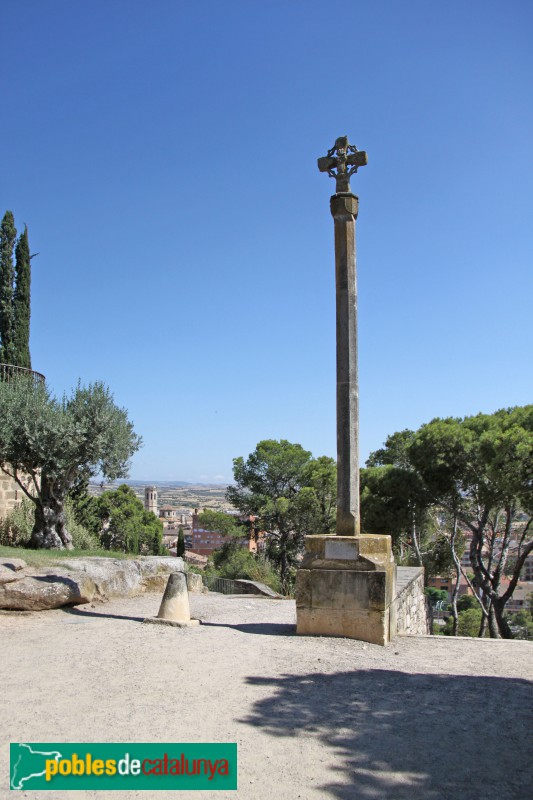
<point x="341" y="162"/>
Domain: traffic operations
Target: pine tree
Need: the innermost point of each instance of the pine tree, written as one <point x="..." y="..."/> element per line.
<point x="21" y="302"/>
<point x="8" y="235"/>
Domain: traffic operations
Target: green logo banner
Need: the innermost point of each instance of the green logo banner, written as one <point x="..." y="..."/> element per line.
<point x="173" y="766"/>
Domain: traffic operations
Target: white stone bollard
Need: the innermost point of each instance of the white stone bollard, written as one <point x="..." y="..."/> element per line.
<point x="174" y="609"/>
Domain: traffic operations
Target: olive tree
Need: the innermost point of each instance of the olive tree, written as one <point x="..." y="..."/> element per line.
<point x="47" y="445"/>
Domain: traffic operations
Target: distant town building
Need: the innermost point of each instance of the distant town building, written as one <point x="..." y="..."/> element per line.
<point x="527" y="569"/>
<point x="195" y="560"/>
<point x="519" y="600"/>
<point x="521" y="596"/>
<point x="205" y="542"/>
<point x="446" y="584"/>
<point x="150" y="499"/>
<point x="167" y="512"/>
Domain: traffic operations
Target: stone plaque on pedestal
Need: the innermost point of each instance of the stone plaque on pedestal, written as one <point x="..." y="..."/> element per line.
<point x="345" y="587"/>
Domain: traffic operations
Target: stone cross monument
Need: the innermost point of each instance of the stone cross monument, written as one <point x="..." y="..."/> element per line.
<point x="341" y="162"/>
<point x="345" y="585"/>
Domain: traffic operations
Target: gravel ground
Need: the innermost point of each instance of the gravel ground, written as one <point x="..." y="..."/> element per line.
<point x="424" y="718"/>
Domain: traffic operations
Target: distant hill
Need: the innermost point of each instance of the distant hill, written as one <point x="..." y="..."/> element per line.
<point x="134" y="483"/>
<point x="155" y="483"/>
<point x="179" y="494"/>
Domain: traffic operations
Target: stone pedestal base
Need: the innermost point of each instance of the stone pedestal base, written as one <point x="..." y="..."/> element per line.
<point x="345" y="587"/>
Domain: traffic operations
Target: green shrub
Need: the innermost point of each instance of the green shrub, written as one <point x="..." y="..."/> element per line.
<point x="469" y="622"/>
<point x="16" y="527"/>
<point x="193" y="568"/>
<point x="435" y="595"/>
<point x="467" y="601"/>
<point x="81" y="538"/>
<point x="235" y="562"/>
<point x="521" y="624"/>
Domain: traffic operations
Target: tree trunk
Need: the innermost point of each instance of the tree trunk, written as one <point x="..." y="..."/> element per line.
<point x="416" y="545"/>
<point x="485" y="605"/>
<point x="503" y="626"/>
<point x="283" y="568"/>
<point x="49" y="531"/>
<point x="483" y="626"/>
<point x="493" y="625"/>
<point x="457" y="564"/>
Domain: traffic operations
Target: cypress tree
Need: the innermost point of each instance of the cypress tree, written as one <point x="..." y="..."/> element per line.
<point x="8" y="234"/>
<point x="180" y="547"/>
<point x="21" y="302"/>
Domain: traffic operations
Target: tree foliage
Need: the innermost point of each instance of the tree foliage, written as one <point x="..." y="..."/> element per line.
<point x="468" y="623"/>
<point x="180" y="545"/>
<point x="289" y="493"/>
<point x="521" y="622"/>
<point x="14" y="294"/>
<point x="47" y="445"/>
<point x="21" y="302"/>
<point x="395" y="451"/>
<point x="394" y="500"/>
<point x="8" y="234"/>
<point x="436" y="595"/>
<point x="126" y="525"/>
<point x="466" y="601"/>
<point x="225" y="524"/>
<point x="119" y="520"/>
<point x="479" y="469"/>
<point x="234" y="562"/>
<point x="475" y="474"/>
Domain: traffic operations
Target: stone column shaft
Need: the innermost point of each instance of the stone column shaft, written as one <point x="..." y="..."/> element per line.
<point x="344" y="207"/>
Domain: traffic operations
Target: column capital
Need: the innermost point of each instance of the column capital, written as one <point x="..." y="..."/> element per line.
<point x="344" y="205"/>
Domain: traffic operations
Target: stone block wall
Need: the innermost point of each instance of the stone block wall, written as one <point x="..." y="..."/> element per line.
<point x="410" y="605"/>
<point x="10" y="494"/>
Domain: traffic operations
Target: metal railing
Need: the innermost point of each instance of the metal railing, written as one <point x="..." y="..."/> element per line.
<point x="220" y="585"/>
<point x="10" y="371"/>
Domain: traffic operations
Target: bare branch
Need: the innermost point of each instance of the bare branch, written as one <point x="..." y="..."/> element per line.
<point x="471" y="586"/>
<point x="15" y="477"/>
<point x="524" y="534"/>
<point x="516" y="574"/>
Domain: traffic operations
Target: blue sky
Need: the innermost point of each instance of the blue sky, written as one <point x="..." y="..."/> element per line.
<point x="163" y="156"/>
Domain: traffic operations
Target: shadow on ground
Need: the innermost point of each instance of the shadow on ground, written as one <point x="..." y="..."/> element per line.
<point x="78" y="612"/>
<point x="397" y="736"/>
<point x="263" y="628"/>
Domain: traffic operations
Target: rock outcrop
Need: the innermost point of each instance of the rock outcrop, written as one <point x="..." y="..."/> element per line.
<point x="255" y="587"/>
<point x="81" y="580"/>
<point x="45" y="591"/>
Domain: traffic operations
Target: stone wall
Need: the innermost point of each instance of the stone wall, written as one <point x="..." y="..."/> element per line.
<point x="10" y="494"/>
<point x="410" y="605"/>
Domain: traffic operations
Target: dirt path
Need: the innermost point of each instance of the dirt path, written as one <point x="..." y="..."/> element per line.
<point x="423" y="719"/>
